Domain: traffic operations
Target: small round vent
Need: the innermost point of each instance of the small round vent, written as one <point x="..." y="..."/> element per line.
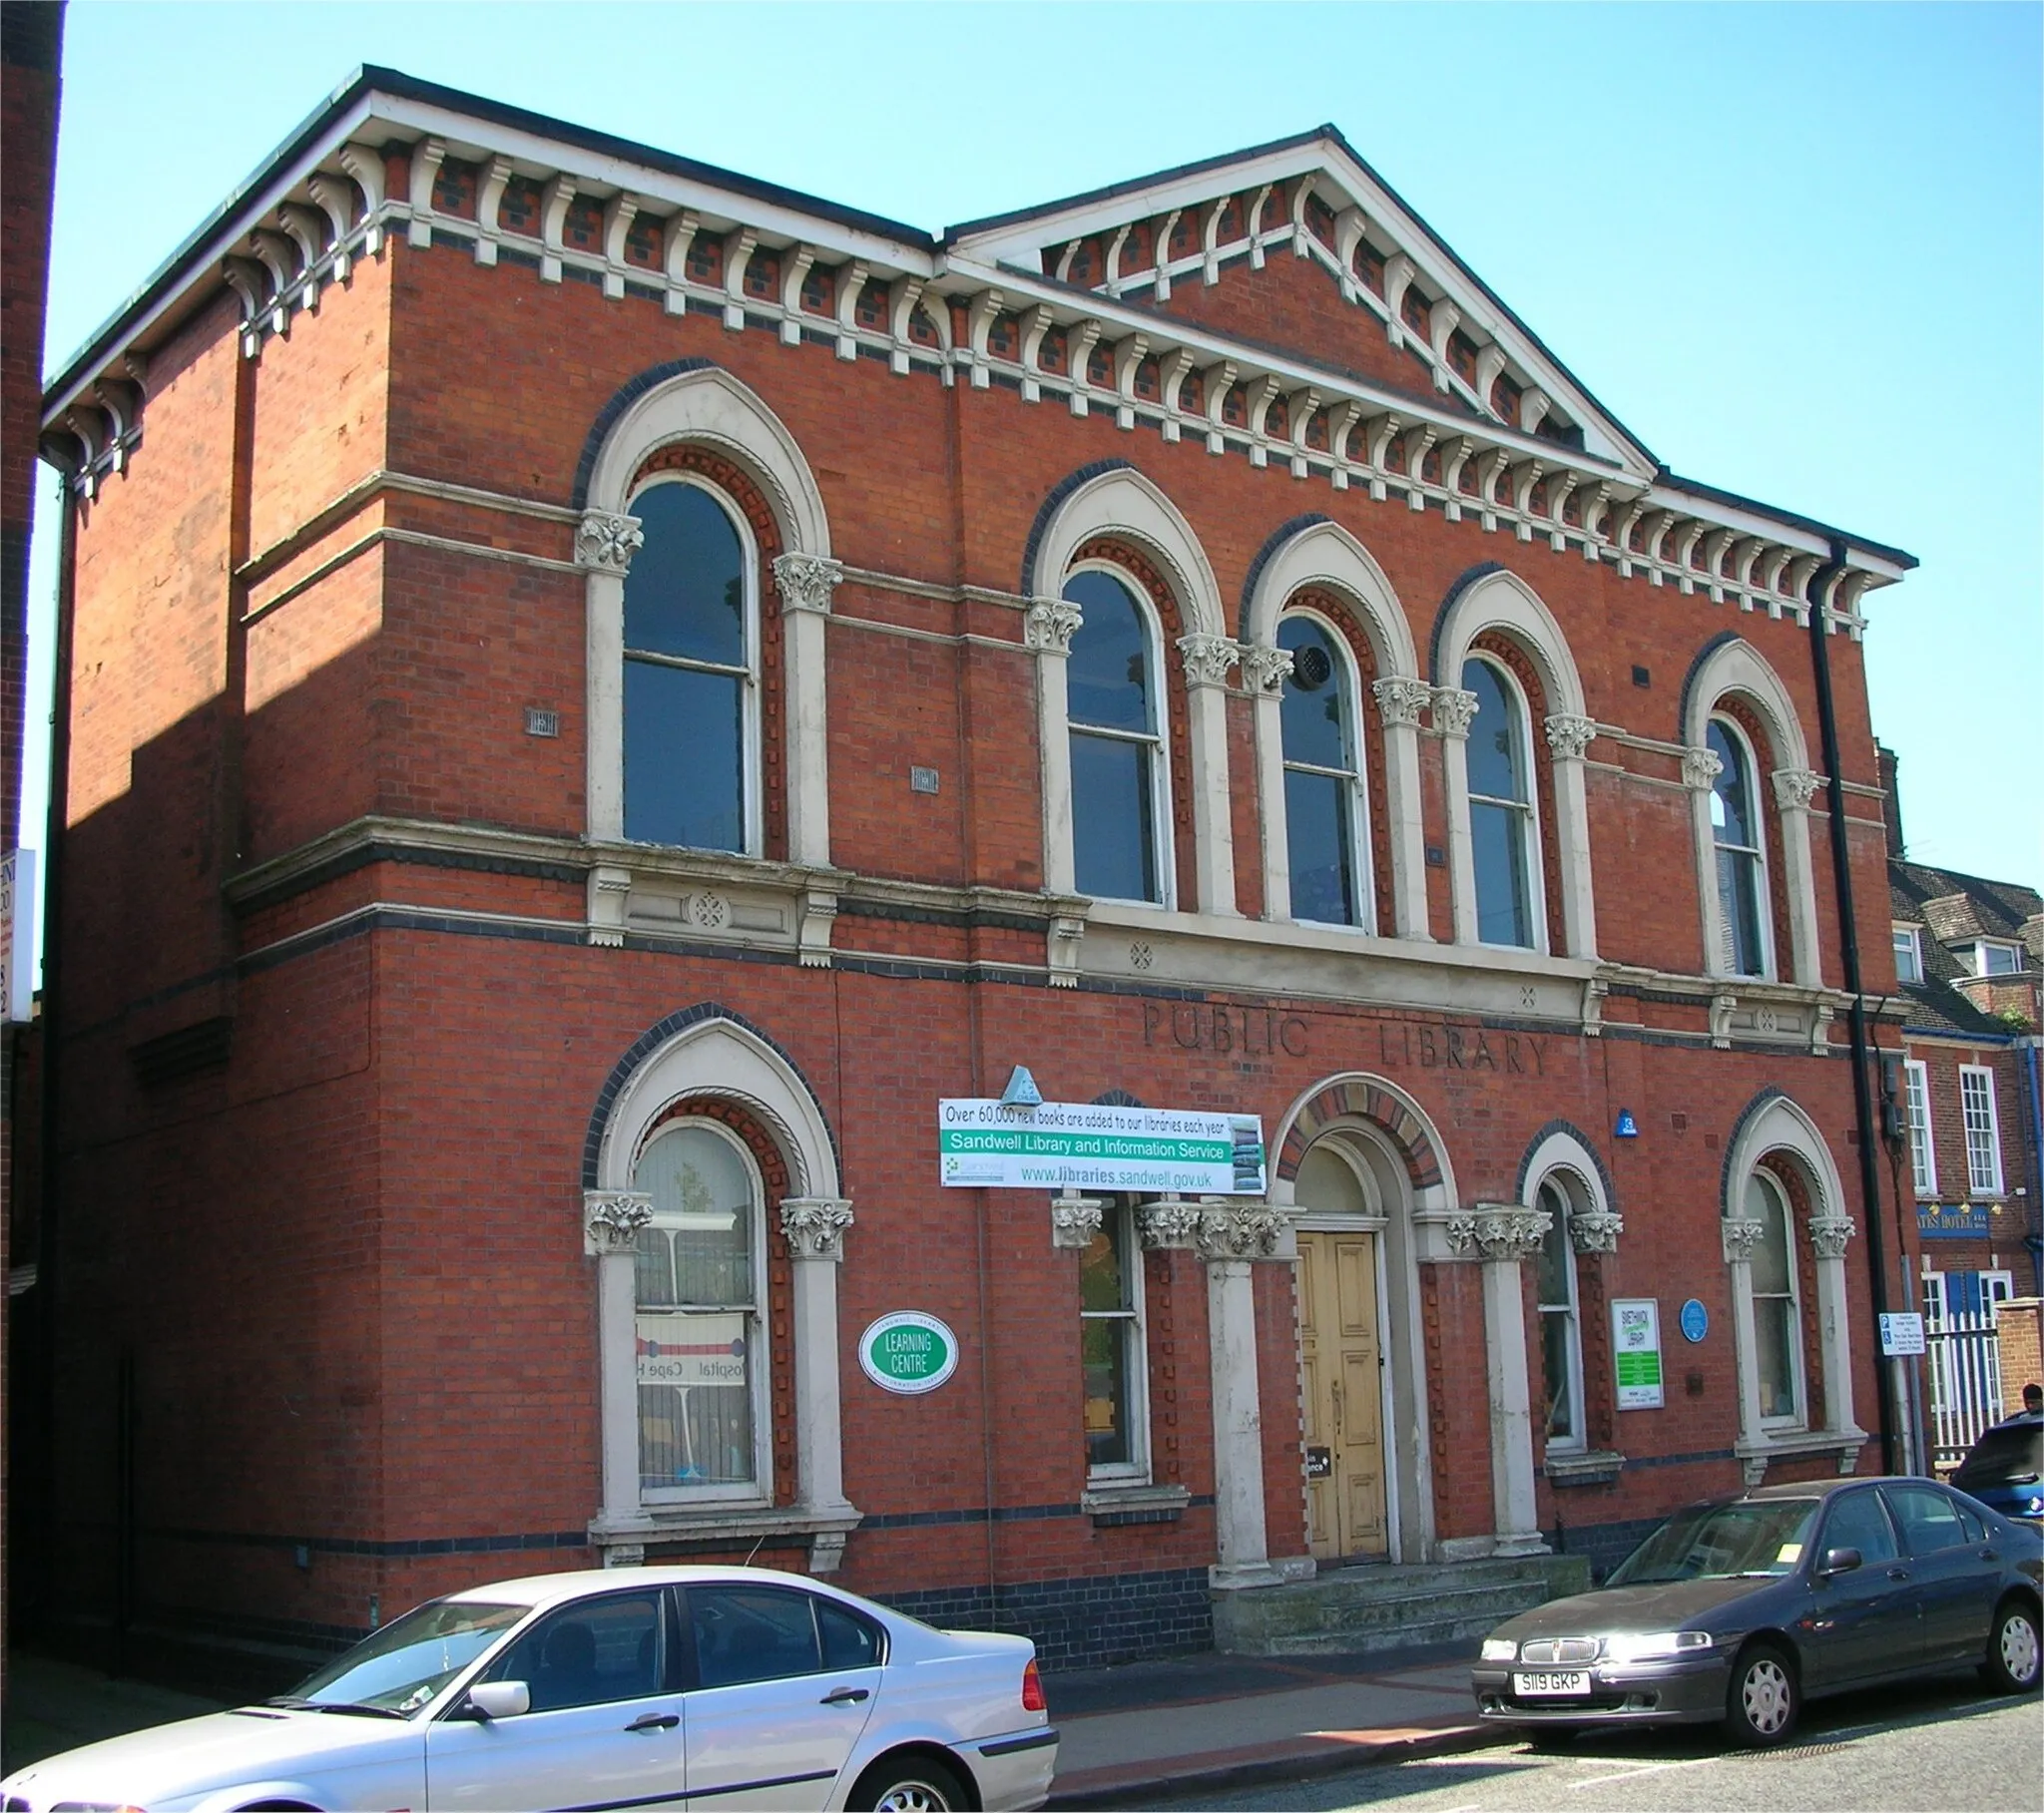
<point x="1311" y="668"/>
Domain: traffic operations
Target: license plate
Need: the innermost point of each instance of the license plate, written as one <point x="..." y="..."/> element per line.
<point x="1551" y="1683"/>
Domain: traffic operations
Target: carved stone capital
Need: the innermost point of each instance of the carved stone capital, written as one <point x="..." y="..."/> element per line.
<point x="605" y="543"/>
<point x="612" y="1218"/>
<point x="814" y="1227"/>
<point x="1207" y="658"/>
<point x="1794" y="789"/>
<point x="1400" y="701"/>
<point x="1701" y="769"/>
<point x="1741" y="1237"/>
<point x="1248" y="1229"/>
<point x="1829" y="1235"/>
<point x="1265" y="668"/>
<point x="1050" y="625"/>
<point x="805" y="582"/>
<point x="1075" y="1221"/>
<point x="1453" y="710"/>
<point x="1171" y="1222"/>
<point x="1596" y="1230"/>
<point x="1499" y="1231"/>
<point x="1569" y="734"/>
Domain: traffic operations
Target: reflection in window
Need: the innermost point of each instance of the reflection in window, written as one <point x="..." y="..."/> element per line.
<point x="1736" y="833"/>
<point x="1111" y="1345"/>
<point x="590" y="1654"/>
<point x="1501" y="828"/>
<point x="1116" y="748"/>
<point x="751" y="1634"/>
<point x="697" y="1288"/>
<point x="1775" y="1323"/>
<point x="1322" y="777"/>
<point x="1560" y="1333"/>
<point x="689" y="674"/>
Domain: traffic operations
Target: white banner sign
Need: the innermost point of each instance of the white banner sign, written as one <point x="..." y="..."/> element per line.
<point x="691" y="1350"/>
<point x="1901" y="1334"/>
<point x="1082" y="1146"/>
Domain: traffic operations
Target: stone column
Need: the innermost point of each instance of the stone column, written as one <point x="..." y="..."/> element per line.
<point x="604" y="546"/>
<point x="1739" y="1237"/>
<point x="1207" y="659"/>
<point x="805" y="582"/>
<point x="611" y="1220"/>
<point x="1453" y="713"/>
<point x="1503" y="1235"/>
<point x="1231" y="1236"/>
<point x="1048" y="629"/>
<point x="1829" y="1235"/>
<point x="1399" y="703"/>
<point x="1568" y="736"/>
<point x="1793" y="789"/>
<point x="815" y="1230"/>
<point x="1264" y="669"/>
<point x="1700" y="771"/>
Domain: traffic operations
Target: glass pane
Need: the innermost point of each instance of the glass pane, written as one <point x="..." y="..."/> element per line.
<point x="1770" y="1250"/>
<point x="1557" y="1334"/>
<point x="1317" y="832"/>
<point x="1719" y="1541"/>
<point x="1731" y="793"/>
<point x="1327" y="1184"/>
<point x="751" y="1634"/>
<point x="686" y="592"/>
<point x="1102" y="1277"/>
<point x="411" y="1658"/>
<point x="1554" y="1250"/>
<point x="1774" y="1325"/>
<point x="1104" y="1357"/>
<point x="1739" y="911"/>
<point x="1858" y="1522"/>
<point x="1497" y="740"/>
<point x="1113" y="818"/>
<point x="1315" y="712"/>
<point x="1107" y="679"/>
<point x="1504" y="912"/>
<point x="684" y="757"/>
<point x="702" y="1198"/>
<point x="2001" y="960"/>
<point x="694" y="1399"/>
<point x="849" y="1641"/>
<point x="590" y="1654"/>
<point x="1929" y="1520"/>
<point x="1906" y="968"/>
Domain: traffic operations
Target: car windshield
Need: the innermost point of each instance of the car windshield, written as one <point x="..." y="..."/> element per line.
<point x="1722" y="1541"/>
<point x="405" y="1664"/>
<point x="2010" y="1455"/>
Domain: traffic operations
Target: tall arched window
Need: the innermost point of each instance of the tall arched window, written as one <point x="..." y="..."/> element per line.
<point x="1323" y="787"/>
<point x="1777" y="1309"/>
<point x="1561" y="1334"/>
<point x="1740" y="846"/>
<point x="691" y="673"/>
<point x="698" y="1297"/>
<point x="1503" y="829"/>
<point x="1118" y="764"/>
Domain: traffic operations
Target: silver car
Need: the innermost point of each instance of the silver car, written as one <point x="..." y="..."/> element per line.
<point x="709" y="1687"/>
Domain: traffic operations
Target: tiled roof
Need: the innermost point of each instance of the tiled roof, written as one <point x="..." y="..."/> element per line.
<point x="1951" y="905"/>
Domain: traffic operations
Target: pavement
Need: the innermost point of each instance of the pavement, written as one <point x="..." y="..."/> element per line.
<point x="1201" y="1723"/>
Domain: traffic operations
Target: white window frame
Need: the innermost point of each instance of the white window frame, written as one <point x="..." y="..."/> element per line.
<point x="1763" y="883"/>
<point x="1983" y="1132"/>
<point x="1996" y="1289"/>
<point x="1164" y="845"/>
<point x="1985" y="945"/>
<point x="1799" y="1416"/>
<point x="760" y="1344"/>
<point x="1579" y="1441"/>
<point x="1923" y="1139"/>
<point x="1118" y="1220"/>
<point x="752" y="770"/>
<point x="1530" y="827"/>
<point x="1909" y="938"/>
<point x="1355" y="781"/>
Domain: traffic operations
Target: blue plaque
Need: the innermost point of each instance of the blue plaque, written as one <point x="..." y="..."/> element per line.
<point x="1696" y="1321"/>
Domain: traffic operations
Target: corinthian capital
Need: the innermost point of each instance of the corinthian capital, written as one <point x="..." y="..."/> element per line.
<point x="1400" y="701"/>
<point x="1596" y="1230"/>
<point x="605" y="543"/>
<point x="1073" y="1220"/>
<point x="1701" y="769"/>
<point x="813" y="1227"/>
<point x="1265" y="668"/>
<point x="1169" y="1222"/>
<point x="1453" y="710"/>
<point x="1245" y="1231"/>
<point x="1829" y="1235"/>
<point x="1569" y="734"/>
<point x="612" y="1218"/>
<point x="805" y="582"/>
<point x="1207" y="658"/>
<point x="1794" y="789"/>
<point x="1051" y="623"/>
<point x="1499" y="1230"/>
<point x="1741" y="1237"/>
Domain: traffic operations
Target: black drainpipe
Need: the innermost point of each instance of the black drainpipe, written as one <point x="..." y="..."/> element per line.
<point x="1819" y="591"/>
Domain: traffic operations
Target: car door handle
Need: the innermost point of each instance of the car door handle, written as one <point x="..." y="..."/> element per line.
<point x="654" y="1721"/>
<point x="846" y="1697"/>
<point x="1898" y="1574"/>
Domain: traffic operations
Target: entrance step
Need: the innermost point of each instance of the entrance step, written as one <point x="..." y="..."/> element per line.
<point x="1362" y="1609"/>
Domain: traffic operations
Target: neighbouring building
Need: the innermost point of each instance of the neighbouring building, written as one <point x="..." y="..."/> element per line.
<point x="602" y="690"/>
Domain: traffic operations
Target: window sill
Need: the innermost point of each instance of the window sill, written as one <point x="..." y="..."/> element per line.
<point x="1581" y="1466"/>
<point x="1111" y="1504"/>
<point x="624" y="1540"/>
<point x="1798" y="1444"/>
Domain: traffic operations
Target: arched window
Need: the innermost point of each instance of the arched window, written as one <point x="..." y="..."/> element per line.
<point x="1118" y="766"/>
<point x="699" y="1292"/>
<point x="690" y="673"/>
<point x="1561" y="1334"/>
<point x="1776" y="1310"/>
<point x="1740" y="846"/>
<point x="1323" y="787"/>
<point x="1503" y="831"/>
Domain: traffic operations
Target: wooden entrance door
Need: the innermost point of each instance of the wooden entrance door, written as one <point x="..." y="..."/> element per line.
<point x="1342" y="1359"/>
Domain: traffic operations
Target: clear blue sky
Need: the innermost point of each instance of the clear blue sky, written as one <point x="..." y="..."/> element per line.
<point x="1796" y="249"/>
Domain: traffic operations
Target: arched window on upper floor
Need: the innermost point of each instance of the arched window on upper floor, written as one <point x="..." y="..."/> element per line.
<point x="1504" y="820"/>
<point x="1115" y="723"/>
<point x="1326" y="817"/>
<point x="691" y="695"/>
<point x="1740" y="843"/>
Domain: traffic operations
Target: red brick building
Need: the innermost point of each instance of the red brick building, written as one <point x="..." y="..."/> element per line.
<point x="602" y="690"/>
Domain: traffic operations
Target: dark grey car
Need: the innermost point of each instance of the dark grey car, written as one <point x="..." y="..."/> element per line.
<point x="1739" y="1609"/>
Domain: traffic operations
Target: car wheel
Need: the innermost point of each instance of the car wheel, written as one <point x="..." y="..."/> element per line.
<point x="1762" y="1703"/>
<point x="910" y="1784"/>
<point x="2012" y="1650"/>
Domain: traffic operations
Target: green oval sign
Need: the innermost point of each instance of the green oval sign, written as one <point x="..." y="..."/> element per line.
<point x="909" y="1353"/>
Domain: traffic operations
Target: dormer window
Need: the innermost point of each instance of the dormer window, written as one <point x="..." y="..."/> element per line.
<point x="1991" y="957"/>
<point x="1908" y="955"/>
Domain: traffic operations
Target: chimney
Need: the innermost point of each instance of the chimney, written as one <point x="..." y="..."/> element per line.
<point x="1892" y="791"/>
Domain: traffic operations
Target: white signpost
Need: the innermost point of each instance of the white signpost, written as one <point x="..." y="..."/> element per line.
<point x="1635" y="1349"/>
<point x="1068" y="1145"/>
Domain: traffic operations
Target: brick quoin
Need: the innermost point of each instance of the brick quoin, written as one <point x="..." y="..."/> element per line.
<point x="323" y="1133"/>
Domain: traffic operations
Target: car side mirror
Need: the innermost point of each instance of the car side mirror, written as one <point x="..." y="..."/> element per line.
<point x="497" y="1699"/>
<point x="1838" y="1561"/>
